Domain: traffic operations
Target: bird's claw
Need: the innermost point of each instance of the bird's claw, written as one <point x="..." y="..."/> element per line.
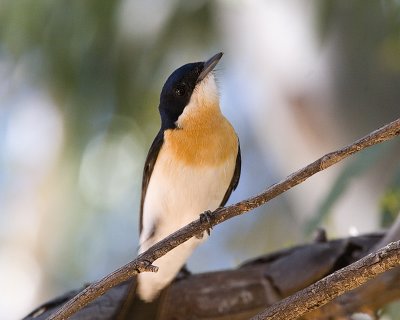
<point x="206" y="217"/>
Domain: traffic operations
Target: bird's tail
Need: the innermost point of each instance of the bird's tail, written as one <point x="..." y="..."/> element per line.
<point x="149" y="283"/>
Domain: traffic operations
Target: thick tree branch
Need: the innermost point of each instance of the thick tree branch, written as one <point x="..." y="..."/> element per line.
<point x="337" y="283"/>
<point x="349" y="302"/>
<point x="143" y="262"/>
<point x="243" y="292"/>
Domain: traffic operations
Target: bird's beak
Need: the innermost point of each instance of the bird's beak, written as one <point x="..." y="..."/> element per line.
<point x="209" y="66"/>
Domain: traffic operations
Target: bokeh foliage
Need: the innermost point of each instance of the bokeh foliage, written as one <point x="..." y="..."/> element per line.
<point x="76" y="49"/>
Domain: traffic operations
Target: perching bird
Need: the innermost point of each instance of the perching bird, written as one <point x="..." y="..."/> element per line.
<point x="193" y="166"/>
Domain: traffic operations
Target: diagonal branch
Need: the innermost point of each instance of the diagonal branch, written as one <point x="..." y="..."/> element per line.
<point x="335" y="284"/>
<point x="143" y="262"/>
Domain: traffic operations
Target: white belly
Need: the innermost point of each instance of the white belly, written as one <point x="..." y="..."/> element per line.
<point x="176" y="195"/>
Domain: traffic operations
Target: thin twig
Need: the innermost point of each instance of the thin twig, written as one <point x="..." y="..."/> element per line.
<point x="144" y="261"/>
<point x="337" y="283"/>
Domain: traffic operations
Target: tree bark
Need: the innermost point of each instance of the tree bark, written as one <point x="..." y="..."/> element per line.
<point x="242" y="293"/>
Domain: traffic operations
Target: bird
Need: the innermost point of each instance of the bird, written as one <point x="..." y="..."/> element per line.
<point x="193" y="166"/>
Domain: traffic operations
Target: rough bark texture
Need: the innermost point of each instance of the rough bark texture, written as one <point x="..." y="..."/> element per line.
<point x="326" y="289"/>
<point x="242" y="293"/>
<point x="143" y="262"/>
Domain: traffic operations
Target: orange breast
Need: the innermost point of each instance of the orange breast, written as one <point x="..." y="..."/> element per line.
<point x="205" y="139"/>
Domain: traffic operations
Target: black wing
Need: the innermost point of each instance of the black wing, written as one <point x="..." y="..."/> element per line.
<point x="235" y="178"/>
<point x="148" y="170"/>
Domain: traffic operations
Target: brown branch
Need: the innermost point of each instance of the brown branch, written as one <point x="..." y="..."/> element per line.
<point x="343" y="280"/>
<point x="250" y="288"/>
<point x="356" y="299"/>
<point x="143" y="262"/>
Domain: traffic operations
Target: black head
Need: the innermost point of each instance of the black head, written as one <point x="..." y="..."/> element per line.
<point x="178" y="89"/>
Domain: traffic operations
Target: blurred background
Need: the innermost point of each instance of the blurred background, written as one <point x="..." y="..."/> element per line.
<point x="79" y="89"/>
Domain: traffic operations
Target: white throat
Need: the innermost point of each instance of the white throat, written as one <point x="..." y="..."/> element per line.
<point x="205" y="96"/>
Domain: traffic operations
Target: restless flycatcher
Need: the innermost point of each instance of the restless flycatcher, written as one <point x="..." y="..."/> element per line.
<point x="193" y="166"/>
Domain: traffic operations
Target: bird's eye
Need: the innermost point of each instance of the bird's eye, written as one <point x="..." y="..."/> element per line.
<point x="180" y="90"/>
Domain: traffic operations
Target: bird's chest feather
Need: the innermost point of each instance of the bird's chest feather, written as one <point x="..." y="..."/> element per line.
<point x="207" y="141"/>
<point x="193" y="171"/>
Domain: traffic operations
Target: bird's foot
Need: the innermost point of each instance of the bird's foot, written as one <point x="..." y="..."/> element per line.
<point x="206" y="217"/>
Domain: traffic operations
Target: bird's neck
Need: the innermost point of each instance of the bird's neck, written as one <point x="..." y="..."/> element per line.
<point x="197" y="116"/>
